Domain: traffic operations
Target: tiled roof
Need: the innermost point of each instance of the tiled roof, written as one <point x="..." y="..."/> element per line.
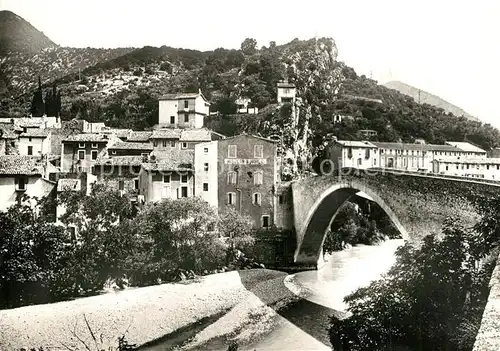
<point x="166" y="134"/>
<point x="36" y="133"/>
<point x="20" y="165"/>
<point x="69" y="185"/>
<point x="120" y="133"/>
<point x="139" y="136"/>
<point x="249" y="136"/>
<point x="350" y="143"/>
<point x="177" y="96"/>
<point x="196" y="135"/>
<point x="465" y="146"/>
<point x="87" y="137"/>
<point x="402" y="146"/>
<point x="444" y="148"/>
<point x="120" y="161"/>
<point x="125" y="145"/>
<point x="286" y="85"/>
<point x="7" y="132"/>
<point x="172" y="160"/>
<point x="24" y="121"/>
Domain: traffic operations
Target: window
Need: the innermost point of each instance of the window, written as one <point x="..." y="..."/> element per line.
<point x="121" y="185"/>
<point x="205" y="150"/>
<point x="30" y="139"/>
<point x="446" y="167"/>
<point x="186" y="104"/>
<point x="93" y="154"/>
<point x="172" y="119"/>
<point x="184" y="145"/>
<point x="94" y="146"/>
<point x="257" y="180"/>
<point x="205" y="186"/>
<point x="231" y="198"/>
<point x="81" y="145"/>
<point x="155" y="143"/>
<point x="30" y="150"/>
<point x="374" y="161"/>
<point x="231" y="177"/>
<point x="184" y="178"/>
<point x="205" y="167"/>
<point x="256" y="199"/>
<point x="21" y="183"/>
<point x="265" y="221"/>
<point x="258" y="151"/>
<point x="349" y="152"/>
<point x="186" y="117"/>
<point x="136" y="184"/>
<point x="81" y="154"/>
<point x="172" y="143"/>
<point x="166" y="178"/>
<point x="487" y="166"/>
<point x="404" y="162"/>
<point x="25" y="129"/>
<point x="231" y="151"/>
<point x="184" y="191"/>
<point x="144" y="155"/>
<point x="360" y="161"/>
<point x="367" y="154"/>
<point x="281" y="199"/>
<point x="164" y="143"/>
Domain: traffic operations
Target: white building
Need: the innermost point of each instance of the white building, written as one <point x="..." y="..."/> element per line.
<point x="206" y="171"/>
<point x="22" y="175"/>
<point x="286" y="93"/>
<point x="185" y="110"/>
<point x="468" y="149"/>
<point x="35" y="142"/>
<point x="353" y="154"/>
<point x="483" y="168"/>
<point x="242" y="106"/>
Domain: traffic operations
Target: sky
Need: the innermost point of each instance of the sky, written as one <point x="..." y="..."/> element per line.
<point x="448" y="48"/>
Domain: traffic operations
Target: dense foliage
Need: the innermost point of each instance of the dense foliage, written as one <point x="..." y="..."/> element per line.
<point x="41" y="261"/>
<point x="50" y="106"/>
<point x="354" y="224"/>
<point x="432" y="298"/>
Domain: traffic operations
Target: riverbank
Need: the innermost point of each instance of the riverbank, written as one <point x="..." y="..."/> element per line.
<point x="142" y="314"/>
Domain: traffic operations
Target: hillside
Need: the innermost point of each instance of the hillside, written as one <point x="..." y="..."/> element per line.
<point x="16" y="34"/>
<point x="121" y="87"/>
<point x="428" y="98"/>
<point x="26" y="52"/>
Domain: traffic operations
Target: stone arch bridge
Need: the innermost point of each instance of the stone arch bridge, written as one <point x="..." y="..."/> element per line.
<point x="417" y="204"/>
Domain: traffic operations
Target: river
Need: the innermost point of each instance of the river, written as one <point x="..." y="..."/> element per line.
<point x="302" y="325"/>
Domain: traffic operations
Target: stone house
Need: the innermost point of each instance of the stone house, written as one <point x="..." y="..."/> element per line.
<point x="183" y="110"/>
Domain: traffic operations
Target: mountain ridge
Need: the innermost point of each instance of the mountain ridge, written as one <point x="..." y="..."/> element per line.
<point x="428" y="98"/>
<point x="121" y="87"/>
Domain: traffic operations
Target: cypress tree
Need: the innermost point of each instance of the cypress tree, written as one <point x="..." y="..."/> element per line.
<point x="37" y="105"/>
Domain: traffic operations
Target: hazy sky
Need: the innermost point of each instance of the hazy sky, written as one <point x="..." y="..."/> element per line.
<point x="449" y="48"/>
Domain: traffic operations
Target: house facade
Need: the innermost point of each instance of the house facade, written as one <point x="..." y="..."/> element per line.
<point x="185" y="110"/>
<point x="22" y="175"/>
<point x="206" y="172"/>
<point x="247" y="177"/>
<point x="352" y="154"/>
<point x="35" y="142"/>
<point x="286" y="93"/>
<point x="80" y="151"/>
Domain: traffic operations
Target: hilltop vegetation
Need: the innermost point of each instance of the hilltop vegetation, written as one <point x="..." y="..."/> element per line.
<point x="121" y="87"/>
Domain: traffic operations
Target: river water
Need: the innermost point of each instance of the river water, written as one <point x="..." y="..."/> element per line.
<point x="303" y="325"/>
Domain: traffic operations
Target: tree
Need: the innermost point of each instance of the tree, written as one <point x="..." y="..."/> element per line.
<point x="249" y="46"/>
<point x="238" y="229"/>
<point x="33" y="253"/>
<point x="37" y="105"/>
<point x="425" y="300"/>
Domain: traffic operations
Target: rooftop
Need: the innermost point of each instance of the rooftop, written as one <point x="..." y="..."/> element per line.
<point x="465" y="146"/>
<point x="139" y="136"/>
<point x="350" y="143"/>
<point x="172" y="160"/>
<point x="196" y="135"/>
<point x="181" y="96"/>
<point x="249" y="136"/>
<point x="69" y="185"/>
<point x="166" y="134"/>
<point x="120" y="133"/>
<point x="87" y="137"/>
<point x="36" y="133"/>
<point x="286" y="85"/>
<point x="20" y="165"/>
<point x="125" y="145"/>
<point x="120" y="160"/>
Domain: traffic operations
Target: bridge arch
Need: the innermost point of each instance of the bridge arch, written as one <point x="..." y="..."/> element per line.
<point x="311" y="232"/>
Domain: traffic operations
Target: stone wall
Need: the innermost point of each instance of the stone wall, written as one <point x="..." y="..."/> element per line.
<point x="488" y="337"/>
